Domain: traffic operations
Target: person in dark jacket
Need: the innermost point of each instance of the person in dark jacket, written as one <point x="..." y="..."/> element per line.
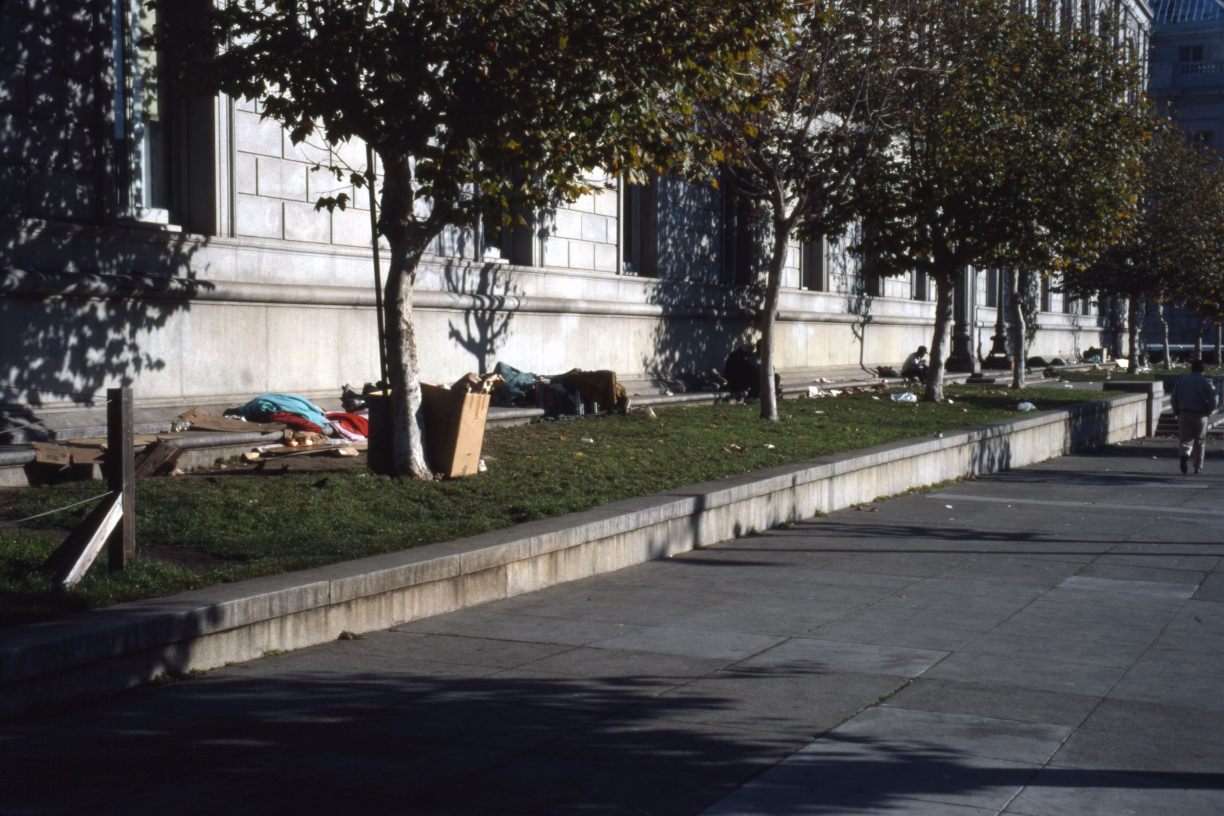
<point x="1193" y="401"/>
<point x="915" y="365"/>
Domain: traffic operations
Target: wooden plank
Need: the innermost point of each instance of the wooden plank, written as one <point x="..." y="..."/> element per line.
<point x="208" y="422"/>
<point x="49" y="454"/>
<point x="72" y="559"/>
<point x="156" y="459"/>
<point x="281" y="451"/>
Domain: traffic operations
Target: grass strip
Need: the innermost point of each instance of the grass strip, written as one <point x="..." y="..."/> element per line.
<point x="198" y="530"/>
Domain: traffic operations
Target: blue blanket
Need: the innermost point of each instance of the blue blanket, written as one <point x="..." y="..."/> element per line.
<point x="288" y="403"/>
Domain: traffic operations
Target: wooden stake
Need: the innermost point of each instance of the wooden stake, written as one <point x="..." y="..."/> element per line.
<point x="72" y="559"/>
<point x="121" y="474"/>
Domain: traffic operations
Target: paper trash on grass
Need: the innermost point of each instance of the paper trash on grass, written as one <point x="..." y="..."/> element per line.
<point x="904" y="396"/>
<point x="1026" y="406"/>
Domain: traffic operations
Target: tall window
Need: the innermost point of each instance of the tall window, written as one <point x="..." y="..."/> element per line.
<point x="142" y="105"/>
<point x="812" y="266"/>
<point x="165" y="144"/>
<point x="639" y="250"/>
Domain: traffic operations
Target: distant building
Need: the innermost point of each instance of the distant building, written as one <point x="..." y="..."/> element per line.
<point x="1187" y="66"/>
<point x="1187" y="82"/>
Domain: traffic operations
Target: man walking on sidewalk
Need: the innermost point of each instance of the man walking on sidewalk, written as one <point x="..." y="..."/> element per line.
<point x="1193" y="401"/>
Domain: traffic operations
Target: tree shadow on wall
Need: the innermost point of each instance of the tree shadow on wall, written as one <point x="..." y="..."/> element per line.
<point x="80" y="312"/>
<point x="697" y="326"/>
<point x="858" y="305"/>
<point x="488" y="296"/>
<point x="83" y="307"/>
<point x="700" y="314"/>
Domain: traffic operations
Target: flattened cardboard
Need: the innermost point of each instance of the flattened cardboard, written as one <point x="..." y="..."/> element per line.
<point x="49" y="454"/>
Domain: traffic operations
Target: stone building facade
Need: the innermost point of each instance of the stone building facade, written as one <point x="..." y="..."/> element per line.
<point x="1187" y="82"/>
<point x="173" y="243"/>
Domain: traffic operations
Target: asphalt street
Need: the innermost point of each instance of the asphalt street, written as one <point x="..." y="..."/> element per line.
<point x="1046" y="641"/>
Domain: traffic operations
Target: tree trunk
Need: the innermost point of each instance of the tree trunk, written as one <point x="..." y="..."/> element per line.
<point x="1132" y="334"/>
<point x="1164" y="334"/>
<point x="769" y="318"/>
<point x="407" y="241"/>
<point x="1016" y="311"/>
<point x="945" y="289"/>
<point x="1198" y="338"/>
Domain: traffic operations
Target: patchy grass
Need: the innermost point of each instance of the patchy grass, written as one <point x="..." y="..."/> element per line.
<point x="1146" y="375"/>
<point x="194" y="531"/>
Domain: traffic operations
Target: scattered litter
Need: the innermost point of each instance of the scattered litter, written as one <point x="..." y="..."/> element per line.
<point x="904" y="396"/>
<point x="482" y="467"/>
<point x="1026" y="406"/>
<point x="950" y="401"/>
<point x="768" y="446"/>
<point x="875" y="398"/>
<point x="733" y="448"/>
<point x="947" y="506"/>
<point x="816" y="391"/>
<point x="1068" y="385"/>
<point x="588" y="440"/>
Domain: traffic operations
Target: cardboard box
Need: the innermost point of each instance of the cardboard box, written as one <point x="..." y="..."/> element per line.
<point x="454" y="429"/>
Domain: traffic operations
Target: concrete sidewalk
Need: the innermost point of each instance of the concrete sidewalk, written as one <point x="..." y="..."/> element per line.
<point x="1046" y="641"/>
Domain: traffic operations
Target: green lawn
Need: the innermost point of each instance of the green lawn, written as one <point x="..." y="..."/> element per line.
<point x="198" y="530"/>
<point x="1147" y="375"/>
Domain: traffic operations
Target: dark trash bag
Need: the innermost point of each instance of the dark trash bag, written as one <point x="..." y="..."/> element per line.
<point x="558" y="400"/>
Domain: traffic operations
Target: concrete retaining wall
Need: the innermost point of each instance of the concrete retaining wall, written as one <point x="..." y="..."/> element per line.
<point x="115" y="648"/>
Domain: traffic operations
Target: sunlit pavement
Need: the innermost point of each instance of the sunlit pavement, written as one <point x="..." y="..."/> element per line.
<point x="1047" y="641"/>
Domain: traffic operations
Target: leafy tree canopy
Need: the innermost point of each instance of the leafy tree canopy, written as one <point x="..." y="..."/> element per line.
<point x="500" y="103"/>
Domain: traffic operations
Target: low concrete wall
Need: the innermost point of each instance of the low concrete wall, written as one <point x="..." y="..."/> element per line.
<point x="111" y="649"/>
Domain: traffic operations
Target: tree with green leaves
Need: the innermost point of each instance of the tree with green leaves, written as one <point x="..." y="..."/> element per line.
<point x="1015" y="149"/>
<point x="798" y="137"/>
<point x="797" y="140"/>
<point x="1173" y="249"/>
<point x="476" y="108"/>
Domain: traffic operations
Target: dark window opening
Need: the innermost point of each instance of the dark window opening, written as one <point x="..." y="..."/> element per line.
<point x="639" y="253"/>
<point x="812" y="267"/>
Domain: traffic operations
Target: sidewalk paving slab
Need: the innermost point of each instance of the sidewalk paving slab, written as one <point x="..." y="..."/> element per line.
<point x="1054" y="656"/>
